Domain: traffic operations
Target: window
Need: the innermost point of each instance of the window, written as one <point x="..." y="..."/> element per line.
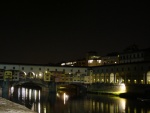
<point x="22" y="68"/>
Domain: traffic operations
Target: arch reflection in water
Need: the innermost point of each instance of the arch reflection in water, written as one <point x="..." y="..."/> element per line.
<point x="30" y="98"/>
<point x="63" y="96"/>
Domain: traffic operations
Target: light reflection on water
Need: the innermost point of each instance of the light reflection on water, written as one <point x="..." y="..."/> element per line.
<point x="65" y="102"/>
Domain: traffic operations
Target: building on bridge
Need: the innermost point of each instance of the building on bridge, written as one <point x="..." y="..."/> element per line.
<point x="59" y="74"/>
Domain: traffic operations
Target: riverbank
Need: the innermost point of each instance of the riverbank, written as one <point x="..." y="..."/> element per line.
<point x="7" y="106"/>
<point x="128" y="95"/>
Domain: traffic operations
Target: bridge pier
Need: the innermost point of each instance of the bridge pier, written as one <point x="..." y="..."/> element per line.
<point x="6" y="89"/>
<point x="52" y="87"/>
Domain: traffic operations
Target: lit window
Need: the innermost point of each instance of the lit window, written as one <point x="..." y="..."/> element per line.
<point x="141" y="81"/>
<point x="128" y="80"/>
<point x="135" y="81"/>
<point x="99" y="61"/>
<point x="62" y="64"/>
<point x="148" y="81"/>
<point x="107" y="80"/>
<point x="90" y="61"/>
<point x="117" y="80"/>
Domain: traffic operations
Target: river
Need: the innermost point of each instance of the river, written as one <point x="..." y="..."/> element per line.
<point x="65" y="102"/>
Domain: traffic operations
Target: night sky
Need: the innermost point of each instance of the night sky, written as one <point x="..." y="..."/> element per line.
<point x="41" y="33"/>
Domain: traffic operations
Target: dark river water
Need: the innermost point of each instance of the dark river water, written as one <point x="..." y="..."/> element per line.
<point x="65" y="102"/>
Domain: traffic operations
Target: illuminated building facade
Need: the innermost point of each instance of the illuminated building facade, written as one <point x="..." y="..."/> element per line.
<point x="133" y="73"/>
<point x="59" y="74"/>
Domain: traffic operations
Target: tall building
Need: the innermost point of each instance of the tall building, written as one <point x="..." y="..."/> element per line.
<point x="134" y="54"/>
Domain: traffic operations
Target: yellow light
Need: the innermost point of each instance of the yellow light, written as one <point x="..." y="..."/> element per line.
<point x="122" y="87"/>
<point x="128" y="80"/>
<point x="142" y="81"/>
<point x="135" y="81"/>
<point x="90" y="61"/>
<point x="65" y="97"/>
<point x="99" y="61"/>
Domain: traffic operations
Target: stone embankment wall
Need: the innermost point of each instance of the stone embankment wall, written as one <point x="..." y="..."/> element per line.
<point x="119" y="88"/>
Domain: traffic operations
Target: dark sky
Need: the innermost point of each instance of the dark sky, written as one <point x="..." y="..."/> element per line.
<point x="38" y="32"/>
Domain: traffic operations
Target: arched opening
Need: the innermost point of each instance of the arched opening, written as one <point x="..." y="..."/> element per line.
<point x="148" y="77"/>
<point x="122" y="78"/>
<point x="31" y="75"/>
<point x="112" y="78"/>
<point x="22" y="75"/>
<point x="107" y="80"/>
<point x="128" y="78"/>
<point x="102" y="78"/>
<point x="117" y="78"/>
<point x="97" y="78"/>
<point x="93" y="78"/>
<point x="39" y="75"/>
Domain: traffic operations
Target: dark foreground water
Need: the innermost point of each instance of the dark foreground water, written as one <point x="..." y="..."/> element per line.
<point x="65" y="102"/>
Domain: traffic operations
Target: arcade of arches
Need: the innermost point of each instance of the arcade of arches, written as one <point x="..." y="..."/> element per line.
<point x="127" y="78"/>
